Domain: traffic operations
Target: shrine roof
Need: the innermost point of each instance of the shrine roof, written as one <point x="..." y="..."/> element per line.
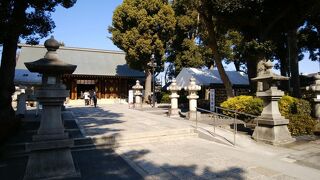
<point x="205" y="77"/>
<point x="88" y="61"/>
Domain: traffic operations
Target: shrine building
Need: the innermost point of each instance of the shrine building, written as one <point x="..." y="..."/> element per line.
<point x="104" y="71"/>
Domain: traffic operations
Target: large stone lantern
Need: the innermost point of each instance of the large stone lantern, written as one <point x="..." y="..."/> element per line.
<point x="272" y="127"/>
<point x="50" y="150"/>
<point x="192" y="89"/>
<point x="137" y="94"/>
<point x="316" y="100"/>
<point x="174" y="88"/>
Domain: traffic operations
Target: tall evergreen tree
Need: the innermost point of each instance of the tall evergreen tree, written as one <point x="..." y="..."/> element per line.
<point x="141" y="29"/>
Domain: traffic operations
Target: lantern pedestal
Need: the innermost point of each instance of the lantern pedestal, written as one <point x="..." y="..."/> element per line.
<point x="137" y="94"/>
<point x="272" y="127"/>
<point x="192" y="89"/>
<point x="174" y="88"/>
<point x="50" y="155"/>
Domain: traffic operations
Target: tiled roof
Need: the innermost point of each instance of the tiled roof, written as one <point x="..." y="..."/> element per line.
<point x="88" y="61"/>
<point x="205" y="77"/>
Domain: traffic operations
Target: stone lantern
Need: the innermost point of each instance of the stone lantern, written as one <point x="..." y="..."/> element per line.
<point x="192" y="89"/>
<point x="21" y="102"/>
<point x="316" y="100"/>
<point x="50" y="150"/>
<point x="272" y="127"/>
<point x="174" y="88"/>
<point x="137" y="94"/>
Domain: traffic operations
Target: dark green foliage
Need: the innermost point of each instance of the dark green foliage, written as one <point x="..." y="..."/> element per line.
<point x="142" y="28"/>
<point x="303" y="107"/>
<point x="165" y="97"/>
<point x="298" y="111"/>
<point x="26" y="19"/>
<point x="300" y="124"/>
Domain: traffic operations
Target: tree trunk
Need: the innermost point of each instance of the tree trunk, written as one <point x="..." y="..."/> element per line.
<point x="293" y="62"/>
<point x="252" y="73"/>
<point x="8" y="59"/>
<point x="147" y="85"/>
<point x="7" y="69"/>
<point x="237" y="65"/>
<point x="225" y="79"/>
<point x="284" y="85"/>
<point x="213" y="45"/>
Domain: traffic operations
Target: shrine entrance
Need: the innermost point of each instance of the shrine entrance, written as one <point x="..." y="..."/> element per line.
<point x="85" y="85"/>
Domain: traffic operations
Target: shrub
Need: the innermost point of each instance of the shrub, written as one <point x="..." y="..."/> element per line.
<point x="296" y="110"/>
<point x="286" y="105"/>
<point x="245" y="104"/>
<point x="165" y="98"/>
<point x="303" y="107"/>
<point x="300" y="124"/>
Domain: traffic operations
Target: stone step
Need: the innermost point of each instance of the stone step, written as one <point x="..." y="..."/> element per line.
<point x="112" y="141"/>
<point x="140" y="138"/>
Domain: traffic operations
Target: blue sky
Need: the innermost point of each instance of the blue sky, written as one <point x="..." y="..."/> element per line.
<point x="86" y="24"/>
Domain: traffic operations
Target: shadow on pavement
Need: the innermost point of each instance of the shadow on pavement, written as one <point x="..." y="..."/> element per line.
<point x="168" y="171"/>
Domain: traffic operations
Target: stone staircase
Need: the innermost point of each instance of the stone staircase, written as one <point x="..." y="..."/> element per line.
<point x="130" y="139"/>
<point x="18" y="149"/>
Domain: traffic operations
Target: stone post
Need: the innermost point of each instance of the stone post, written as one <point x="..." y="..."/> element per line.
<point x="316" y="100"/>
<point x="192" y="88"/>
<point x="272" y="127"/>
<point x="21" y="103"/>
<point x="50" y="156"/>
<point x="137" y="94"/>
<point x="174" y="88"/>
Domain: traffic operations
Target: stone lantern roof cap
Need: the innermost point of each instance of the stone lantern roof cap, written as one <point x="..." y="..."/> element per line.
<point x="173" y="86"/>
<point x="51" y="64"/>
<point x="137" y="86"/>
<point x="51" y="44"/>
<point x="268" y="75"/>
<point x="192" y="85"/>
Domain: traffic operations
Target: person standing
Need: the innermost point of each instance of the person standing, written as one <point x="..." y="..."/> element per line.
<point x="91" y="96"/>
<point x="86" y="98"/>
<point x="94" y="98"/>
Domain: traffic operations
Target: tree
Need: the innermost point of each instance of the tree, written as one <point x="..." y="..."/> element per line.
<point x="187" y="49"/>
<point x="30" y="20"/>
<point x="141" y="29"/>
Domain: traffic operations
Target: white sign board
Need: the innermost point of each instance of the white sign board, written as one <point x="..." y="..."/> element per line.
<point x="130" y="97"/>
<point x="212" y="99"/>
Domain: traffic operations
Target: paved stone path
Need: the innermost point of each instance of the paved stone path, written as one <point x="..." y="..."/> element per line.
<point x="192" y="157"/>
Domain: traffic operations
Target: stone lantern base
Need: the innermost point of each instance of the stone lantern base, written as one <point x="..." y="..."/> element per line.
<point x="193" y="115"/>
<point x="272" y="132"/>
<point x="46" y="162"/>
<point x="174" y="112"/>
<point x="316" y="109"/>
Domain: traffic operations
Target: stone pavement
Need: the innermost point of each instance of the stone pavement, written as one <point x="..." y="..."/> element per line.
<point x="92" y="163"/>
<point x="193" y="157"/>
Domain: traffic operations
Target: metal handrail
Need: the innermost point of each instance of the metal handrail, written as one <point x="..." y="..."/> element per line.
<point x="238" y="112"/>
<point x="242" y="113"/>
<point x="235" y="125"/>
<point x="214" y="124"/>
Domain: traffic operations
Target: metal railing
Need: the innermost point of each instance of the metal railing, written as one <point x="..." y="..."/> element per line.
<point x="223" y="113"/>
